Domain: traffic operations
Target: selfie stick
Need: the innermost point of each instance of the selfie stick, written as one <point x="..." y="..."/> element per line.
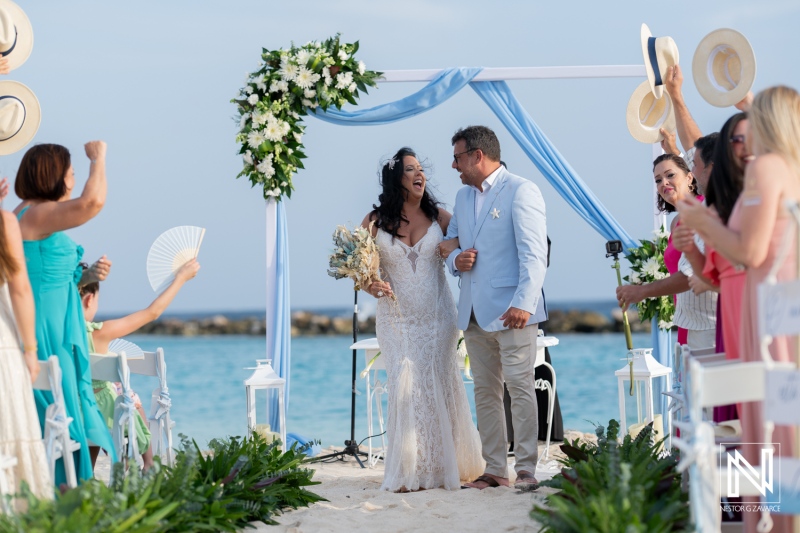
<point x="615" y="254"/>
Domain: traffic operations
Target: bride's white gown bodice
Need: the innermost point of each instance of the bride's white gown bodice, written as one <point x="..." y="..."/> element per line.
<point x="432" y="441"/>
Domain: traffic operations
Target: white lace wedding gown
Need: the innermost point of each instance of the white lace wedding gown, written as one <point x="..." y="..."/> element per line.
<point x="432" y="441"/>
<point x="20" y="433"/>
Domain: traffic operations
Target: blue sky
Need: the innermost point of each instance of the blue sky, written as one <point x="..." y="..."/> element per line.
<point x="154" y="80"/>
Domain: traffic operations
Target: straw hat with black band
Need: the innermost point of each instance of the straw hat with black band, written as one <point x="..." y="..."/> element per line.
<point x="659" y="53"/>
<point x="16" y="34"/>
<point x="20" y="116"/>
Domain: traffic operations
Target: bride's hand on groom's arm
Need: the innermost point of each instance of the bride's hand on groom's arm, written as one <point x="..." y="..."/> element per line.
<point x="379" y="289"/>
<point x="447" y="247"/>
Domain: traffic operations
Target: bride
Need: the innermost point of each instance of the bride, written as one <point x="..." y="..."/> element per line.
<point x="432" y="441"/>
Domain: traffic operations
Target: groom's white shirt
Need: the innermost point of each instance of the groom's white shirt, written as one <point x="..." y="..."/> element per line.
<point x="481" y="195"/>
<point x="510" y="234"/>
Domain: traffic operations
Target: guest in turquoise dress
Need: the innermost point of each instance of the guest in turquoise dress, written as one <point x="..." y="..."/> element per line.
<point x="45" y="180"/>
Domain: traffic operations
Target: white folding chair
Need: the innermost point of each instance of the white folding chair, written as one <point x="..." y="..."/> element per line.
<point x="543" y="342"/>
<point x="57" y="442"/>
<point x="154" y="364"/>
<point x="114" y="367"/>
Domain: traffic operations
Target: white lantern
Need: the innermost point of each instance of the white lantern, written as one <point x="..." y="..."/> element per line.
<point x="265" y="378"/>
<point x="645" y="370"/>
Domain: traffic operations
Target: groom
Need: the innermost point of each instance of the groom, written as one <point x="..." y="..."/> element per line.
<point x="499" y="219"/>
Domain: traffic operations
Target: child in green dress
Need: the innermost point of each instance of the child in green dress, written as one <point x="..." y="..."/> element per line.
<point x="100" y="334"/>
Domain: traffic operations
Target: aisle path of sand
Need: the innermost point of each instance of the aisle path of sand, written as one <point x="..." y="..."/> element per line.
<point x="356" y="503"/>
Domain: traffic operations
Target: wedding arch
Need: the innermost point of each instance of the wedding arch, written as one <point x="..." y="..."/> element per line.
<point x="490" y="85"/>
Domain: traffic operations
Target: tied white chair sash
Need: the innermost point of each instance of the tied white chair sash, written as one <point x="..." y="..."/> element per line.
<point x="125" y="419"/>
<point x="159" y="412"/>
<point x="699" y="454"/>
<point x="56" y="435"/>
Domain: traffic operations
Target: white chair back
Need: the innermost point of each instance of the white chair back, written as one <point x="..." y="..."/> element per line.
<point x="57" y="442"/>
<point x="6" y="463"/>
<point x="154" y="364"/>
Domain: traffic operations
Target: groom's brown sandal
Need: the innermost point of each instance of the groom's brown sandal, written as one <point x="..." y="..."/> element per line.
<point x="526" y="481"/>
<point x="490" y="482"/>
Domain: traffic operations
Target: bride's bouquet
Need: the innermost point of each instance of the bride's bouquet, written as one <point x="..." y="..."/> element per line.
<point x="355" y="256"/>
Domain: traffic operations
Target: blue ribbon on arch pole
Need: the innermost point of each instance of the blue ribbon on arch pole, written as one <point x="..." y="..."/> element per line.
<point x="555" y="169"/>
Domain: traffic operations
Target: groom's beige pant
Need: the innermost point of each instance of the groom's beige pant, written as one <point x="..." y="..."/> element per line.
<point x="494" y="357"/>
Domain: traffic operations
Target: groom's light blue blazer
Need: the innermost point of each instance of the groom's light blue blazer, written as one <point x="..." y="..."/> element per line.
<point x="510" y="235"/>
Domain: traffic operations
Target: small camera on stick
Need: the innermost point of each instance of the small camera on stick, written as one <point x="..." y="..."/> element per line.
<point x="613" y="248"/>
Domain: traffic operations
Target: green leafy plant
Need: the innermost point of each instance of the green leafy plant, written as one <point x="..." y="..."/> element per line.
<point x="241" y="480"/>
<point x="615" y="487"/>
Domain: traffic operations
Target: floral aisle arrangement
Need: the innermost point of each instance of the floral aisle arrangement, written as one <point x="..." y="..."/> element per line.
<point x="275" y="97"/>
<point x="647" y="266"/>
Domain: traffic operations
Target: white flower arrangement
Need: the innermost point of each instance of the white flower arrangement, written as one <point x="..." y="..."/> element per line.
<point x="276" y="97"/>
<point x="647" y="266"/>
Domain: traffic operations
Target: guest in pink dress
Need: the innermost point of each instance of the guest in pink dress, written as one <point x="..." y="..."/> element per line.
<point x="770" y="180"/>
<point x="674" y="181"/>
<point x="725" y="184"/>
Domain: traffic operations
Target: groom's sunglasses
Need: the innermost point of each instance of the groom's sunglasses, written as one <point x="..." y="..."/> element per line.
<point x="455" y="156"/>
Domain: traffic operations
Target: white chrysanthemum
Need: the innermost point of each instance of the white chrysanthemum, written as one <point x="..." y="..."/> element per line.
<point x="328" y="81"/>
<point x="289" y="71"/>
<point x="344" y="79"/>
<point x="651" y="266"/>
<point x="285" y="127"/>
<point x="309" y="93"/>
<point x="303" y="78"/>
<point x="326" y="73"/>
<point x="248" y="157"/>
<point x="361" y="67"/>
<point x="352" y="88"/>
<point x="342" y="54"/>
<point x="255" y="138"/>
<point x="261" y="85"/>
<point x="259" y="119"/>
<point x="664" y="325"/>
<point x="659" y="275"/>
<point x="265" y="167"/>
<point x="252" y="99"/>
<point x="273" y="131"/>
<point x="303" y="56"/>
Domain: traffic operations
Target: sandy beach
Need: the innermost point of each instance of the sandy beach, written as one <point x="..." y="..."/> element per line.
<point x="356" y="503"/>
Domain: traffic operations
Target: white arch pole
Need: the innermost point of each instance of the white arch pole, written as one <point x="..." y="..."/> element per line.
<point x="525" y="73"/>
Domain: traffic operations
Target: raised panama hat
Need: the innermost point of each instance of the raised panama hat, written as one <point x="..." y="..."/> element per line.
<point x="724" y="67"/>
<point x="16" y="34"/>
<point x="659" y="54"/>
<point x="646" y="114"/>
<point x="20" y="116"/>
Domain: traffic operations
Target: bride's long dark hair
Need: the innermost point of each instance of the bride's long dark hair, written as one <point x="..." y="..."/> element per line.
<point x="388" y="214"/>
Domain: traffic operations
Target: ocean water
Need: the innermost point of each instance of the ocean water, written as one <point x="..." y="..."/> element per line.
<point x="205" y="377"/>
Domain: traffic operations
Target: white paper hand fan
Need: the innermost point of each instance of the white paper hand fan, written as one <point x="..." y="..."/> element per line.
<point x="173" y="249"/>
<point x="132" y="351"/>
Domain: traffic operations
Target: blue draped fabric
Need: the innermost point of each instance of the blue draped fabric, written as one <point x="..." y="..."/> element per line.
<point x="281" y="317"/>
<point x="664" y="353"/>
<point x="534" y="143"/>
